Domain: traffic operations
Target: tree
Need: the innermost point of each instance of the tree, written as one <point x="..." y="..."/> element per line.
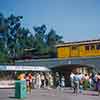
<point x="14" y="23"/>
<point x="45" y="43"/>
<point x="39" y="39"/>
<point x="24" y="40"/>
<point x="4" y="58"/>
<point x="8" y="28"/>
<point x="14" y="38"/>
<point x="52" y="39"/>
<point x="3" y="29"/>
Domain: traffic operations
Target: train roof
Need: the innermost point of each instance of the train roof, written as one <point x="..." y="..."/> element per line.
<point x="79" y="43"/>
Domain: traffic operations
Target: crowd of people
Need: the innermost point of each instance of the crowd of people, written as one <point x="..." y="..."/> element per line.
<point x="37" y="80"/>
<point x="80" y="82"/>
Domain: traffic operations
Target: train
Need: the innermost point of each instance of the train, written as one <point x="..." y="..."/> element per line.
<point x="88" y="48"/>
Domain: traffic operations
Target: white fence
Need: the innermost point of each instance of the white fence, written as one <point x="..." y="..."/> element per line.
<point x="7" y="84"/>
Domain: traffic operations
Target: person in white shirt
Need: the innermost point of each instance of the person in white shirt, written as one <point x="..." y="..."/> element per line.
<point x="38" y="80"/>
<point x="76" y="83"/>
<point x="71" y="79"/>
<point x="62" y="81"/>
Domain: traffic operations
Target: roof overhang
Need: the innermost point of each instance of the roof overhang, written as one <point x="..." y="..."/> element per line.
<point x="78" y="43"/>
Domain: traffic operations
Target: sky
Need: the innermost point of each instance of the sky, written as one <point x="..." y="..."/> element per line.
<point x="75" y="20"/>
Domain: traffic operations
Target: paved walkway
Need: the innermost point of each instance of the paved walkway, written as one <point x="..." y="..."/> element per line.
<point x="52" y="94"/>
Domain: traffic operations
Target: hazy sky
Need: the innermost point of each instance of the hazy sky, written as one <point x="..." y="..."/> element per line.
<point x="73" y="19"/>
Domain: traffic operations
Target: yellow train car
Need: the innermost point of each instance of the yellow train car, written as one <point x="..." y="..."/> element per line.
<point x="79" y="49"/>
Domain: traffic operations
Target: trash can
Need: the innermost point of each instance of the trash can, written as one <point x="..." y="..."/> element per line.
<point x="20" y="89"/>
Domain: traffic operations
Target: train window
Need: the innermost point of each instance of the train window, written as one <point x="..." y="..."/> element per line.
<point x="87" y="47"/>
<point x="74" y="47"/>
<point x="92" y="47"/>
<point x="98" y="46"/>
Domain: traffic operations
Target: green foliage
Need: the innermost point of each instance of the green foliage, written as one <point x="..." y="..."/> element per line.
<point x="39" y="39"/>
<point x="14" y="39"/>
<point x="52" y="40"/>
<point x="4" y="58"/>
<point x="45" y="43"/>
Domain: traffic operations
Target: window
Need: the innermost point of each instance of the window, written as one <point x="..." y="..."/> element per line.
<point x="92" y="47"/>
<point x="98" y="46"/>
<point x="74" y="47"/>
<point x="87" y="47"/>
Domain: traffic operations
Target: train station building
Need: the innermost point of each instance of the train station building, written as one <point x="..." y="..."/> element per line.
<point x="81" y="56"/>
